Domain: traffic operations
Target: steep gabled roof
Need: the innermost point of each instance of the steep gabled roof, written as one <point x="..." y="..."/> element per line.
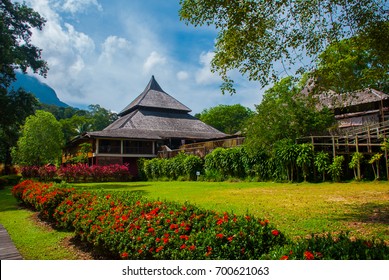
<point x="154" y="97"/>
<point x="333" y="100"/>
<point x="156" y="124"/>
<point x="156" y="115"/>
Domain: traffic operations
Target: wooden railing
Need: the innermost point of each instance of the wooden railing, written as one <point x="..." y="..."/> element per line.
<point x="201" y="149"/>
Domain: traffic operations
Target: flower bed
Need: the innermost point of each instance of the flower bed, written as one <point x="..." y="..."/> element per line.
<point x="132" y="227"/>
<point x="78" y="172"/>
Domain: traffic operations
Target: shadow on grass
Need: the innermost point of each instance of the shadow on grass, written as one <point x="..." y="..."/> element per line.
<point x="369" y="213"/>
<point x="114" y="186"/>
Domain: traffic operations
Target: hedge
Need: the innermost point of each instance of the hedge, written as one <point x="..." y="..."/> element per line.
<point x="127" y="226"/>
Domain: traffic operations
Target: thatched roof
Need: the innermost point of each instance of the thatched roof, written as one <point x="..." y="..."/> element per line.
<point x="334" y="100"/>
<point x="156" y="115"/>
<point x="153" y="96"/>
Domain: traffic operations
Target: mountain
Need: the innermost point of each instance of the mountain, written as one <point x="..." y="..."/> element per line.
<point x="43" y="92"/>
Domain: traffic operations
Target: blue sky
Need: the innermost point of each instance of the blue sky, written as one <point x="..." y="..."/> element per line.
<point x="105" y="51"/>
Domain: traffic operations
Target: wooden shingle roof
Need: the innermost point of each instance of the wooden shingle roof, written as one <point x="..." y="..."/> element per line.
<point x="154" y="96"/>
<point x="156" y="115"/>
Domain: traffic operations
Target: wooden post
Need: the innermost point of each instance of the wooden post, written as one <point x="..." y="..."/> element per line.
<point x="333" y="147"/>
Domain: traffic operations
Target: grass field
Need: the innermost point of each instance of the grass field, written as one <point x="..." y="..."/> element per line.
<point x="296" y="209"/>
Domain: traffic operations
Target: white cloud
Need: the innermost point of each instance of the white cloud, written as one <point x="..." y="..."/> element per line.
<point x="152" y="61"/>
<point x="75" y="6"/>
<point x="111" y="70"/>
<point x="182" y="75"/>
<point x="204" y="76"/>
<point x="115" y="49"/>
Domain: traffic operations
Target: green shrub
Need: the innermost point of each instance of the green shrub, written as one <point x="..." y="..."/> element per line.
<point x="128" y="226"/>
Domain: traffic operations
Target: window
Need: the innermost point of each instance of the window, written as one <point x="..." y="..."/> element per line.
<point x="138" y="147"/>
<point x="109" y="146"/>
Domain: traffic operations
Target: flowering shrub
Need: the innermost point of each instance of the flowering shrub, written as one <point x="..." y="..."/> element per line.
<point x="127" y="226"/>
<point x="339" y="247"/>
<point x="78" y="172"/>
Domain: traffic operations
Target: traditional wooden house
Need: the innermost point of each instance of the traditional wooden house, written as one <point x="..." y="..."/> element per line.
<point x="151" y="121"/>
<point x="356" y="109"/>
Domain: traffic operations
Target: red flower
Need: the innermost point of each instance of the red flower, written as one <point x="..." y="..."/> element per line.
<point x="173" y="226"/>
<point x="220" y="235"/>
<point x="219" y="222"/>
<point x="275" y="232"/>
<point x="284" y="258"/>
<point x="191" y="248"/>
<point x="140" y="251"/>
<point x="230" y="238"/>
<point x="159" y="249"/>
<point x="184" y="237"/>
<point x="183" y="246"/>
<point x="165" y="240"/>
<point x="150" y="229"/>
<point x="124" y="255"/>
<point x="308" y="255"/>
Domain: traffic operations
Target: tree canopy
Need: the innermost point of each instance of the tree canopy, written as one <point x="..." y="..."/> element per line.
<point x="284" y="113"/>
<point x="229" y="119"/>
<point x="16" y="50"/>
<point x="41" y="141"/>
<point x="352" y="64"/>
<point x="254" y="36"/>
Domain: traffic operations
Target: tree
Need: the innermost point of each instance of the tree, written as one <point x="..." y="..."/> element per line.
<point x="226" y="118"/>
<point x="304" y="158"/>
<point x="101" y="117"/>
<point x="355" y="164"/>
<point x="375" y="160"/>
<point x="41" y="141"/>
<point x="255" y="36"/>
<point x="285" y="114"/>
<point x="322" y="162"/>
<point x="17" y="105"/>
<point x="16" y="52"/>
<point x="352" y="64"/>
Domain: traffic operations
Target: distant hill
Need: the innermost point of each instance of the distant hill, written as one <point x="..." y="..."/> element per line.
<point x="43" y="92"/>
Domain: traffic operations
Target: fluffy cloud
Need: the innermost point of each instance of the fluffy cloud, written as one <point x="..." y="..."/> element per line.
<point x="75" y="6"/>
<point x="182" y="75"/>
<point x="152" y="61"/>
<point x="113" y="66"/>
<point x="204" y="76"/>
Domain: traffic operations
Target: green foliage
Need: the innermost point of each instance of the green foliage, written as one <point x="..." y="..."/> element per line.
<point x="226" y="118"/>
<point x="355" y="64"/>
<point x="355" y="164"/>
<point x="169" y="230"/>
<point x="285" y="114"/>
<point x="16" y="106"/>
<point x="375" y="161"/>
<point x="41" y="141"/>
<point x="304" y="158"/>
<point x="335" y="168"/>
<point x="192" y="165"/>
<point x="334" y="247"/>
<point x="16" y="52"/>
<point x="286" y="153"/>
<point x="256" y="36"/>
<point x="322" y="163"/>
<point x="181" y="166"/>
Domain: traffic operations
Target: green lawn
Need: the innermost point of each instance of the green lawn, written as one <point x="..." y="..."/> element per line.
<point x="296" y="209"/>
<point x="34" y="242"/>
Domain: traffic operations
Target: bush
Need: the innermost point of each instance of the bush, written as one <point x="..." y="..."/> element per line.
<point x="128" y="226"/>
<point x="132" y="227"/>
